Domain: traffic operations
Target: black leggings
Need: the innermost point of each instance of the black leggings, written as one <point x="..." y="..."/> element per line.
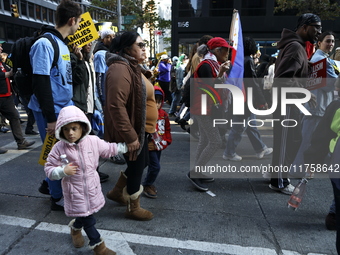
<point x="134" y="170"/>
<point x="165" y="87"/>
<point x="88" y="223"/>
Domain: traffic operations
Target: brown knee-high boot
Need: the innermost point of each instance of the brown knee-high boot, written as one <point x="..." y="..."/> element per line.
<point x="116" y="194"/>
<point x="134" y="211"/>
<point x="77" y="238"/>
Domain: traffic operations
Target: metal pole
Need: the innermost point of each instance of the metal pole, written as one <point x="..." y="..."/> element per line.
<point x="119" y="15"/>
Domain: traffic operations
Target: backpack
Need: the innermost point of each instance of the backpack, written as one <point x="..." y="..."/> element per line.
<point x="20" y="59"/>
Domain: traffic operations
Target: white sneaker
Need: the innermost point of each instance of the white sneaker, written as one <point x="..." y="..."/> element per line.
<point x="232" y="158"/>
<point x="288" y="190"/>
<point x="263" y="153"/>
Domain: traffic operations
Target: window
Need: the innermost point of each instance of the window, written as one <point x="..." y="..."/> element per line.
<point x="31" y="10"/>
<point x="267" y="47"/>
<point x="50" y="16"/>
<point x="221" y="8"/>
<point x="44" y="14"/>
<point x="254" y="7"/>
<point x="190" y="8"/>
<point x="23" y="8"/>
<point x="38" y="12"/>
<point x="7" y="5"/>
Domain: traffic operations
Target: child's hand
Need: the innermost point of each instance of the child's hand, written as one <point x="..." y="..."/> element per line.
<point x="122" y="148"/>
<point x="70" y="169"/>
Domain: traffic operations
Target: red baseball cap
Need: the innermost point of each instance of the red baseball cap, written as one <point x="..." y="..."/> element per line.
<point x="218" y="42"/>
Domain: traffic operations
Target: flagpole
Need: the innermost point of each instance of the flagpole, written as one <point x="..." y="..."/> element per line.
<point x="232" y="28"/>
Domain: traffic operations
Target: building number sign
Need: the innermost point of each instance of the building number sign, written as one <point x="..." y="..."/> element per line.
<point x="183" y="24"/>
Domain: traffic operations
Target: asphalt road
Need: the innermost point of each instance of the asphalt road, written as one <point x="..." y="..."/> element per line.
<point x="240" y="216"/>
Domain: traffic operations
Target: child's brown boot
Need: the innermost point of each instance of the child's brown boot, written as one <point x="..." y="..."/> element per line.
<point x="77" y="238"/>
<point x="101" y="249"/>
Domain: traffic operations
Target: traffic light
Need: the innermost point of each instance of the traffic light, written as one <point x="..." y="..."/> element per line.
<point x="15" y="10"/>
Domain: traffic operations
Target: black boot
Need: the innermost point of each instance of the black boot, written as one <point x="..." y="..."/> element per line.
<point x="43" y="189"/>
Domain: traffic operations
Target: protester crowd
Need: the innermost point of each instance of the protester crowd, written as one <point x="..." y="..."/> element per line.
<point x="105" y="91"/>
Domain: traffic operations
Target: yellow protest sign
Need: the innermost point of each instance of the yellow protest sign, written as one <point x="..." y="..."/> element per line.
<point x="86" y="32"/>
<point x="158" y="55"/>
<point x="9" y="62"/>
<point x="50" y="140"/>
<point x="106" y="25"/>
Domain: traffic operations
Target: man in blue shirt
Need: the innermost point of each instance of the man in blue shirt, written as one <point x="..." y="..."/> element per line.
<point x="53" y="85"/>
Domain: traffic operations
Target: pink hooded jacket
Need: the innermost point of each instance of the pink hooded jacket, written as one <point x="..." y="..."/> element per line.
<point x="82" y="192"/>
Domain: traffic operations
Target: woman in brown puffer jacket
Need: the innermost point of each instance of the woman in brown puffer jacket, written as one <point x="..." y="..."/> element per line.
<point x="130" y="115"/>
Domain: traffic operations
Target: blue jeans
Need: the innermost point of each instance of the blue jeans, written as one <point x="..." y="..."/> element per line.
<point x="176" y="97"/>
<point x="88" y="224"/>
<point x="236" y="132"/>
<point x="154" y="167"/>
<point x="54" y="186"/>
<point x="309" y="124"/>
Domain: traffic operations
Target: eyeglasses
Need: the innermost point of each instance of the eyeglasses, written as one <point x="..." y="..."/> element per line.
<point x="318" y="27"/>
<point x="141" y="45"/>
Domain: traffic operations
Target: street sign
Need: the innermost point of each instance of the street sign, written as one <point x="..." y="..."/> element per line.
<point x="128" y="19"/>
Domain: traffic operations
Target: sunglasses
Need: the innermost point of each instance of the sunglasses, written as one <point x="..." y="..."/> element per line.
<point x="318" y="27"/>
<point x="141" y="45"/>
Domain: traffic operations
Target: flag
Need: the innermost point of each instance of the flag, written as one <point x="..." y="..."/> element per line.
<point x="237" y="60"/>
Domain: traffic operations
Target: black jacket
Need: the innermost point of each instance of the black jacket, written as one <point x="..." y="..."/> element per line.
<point x="80" y="82"/>
<point x="3" y="85"/>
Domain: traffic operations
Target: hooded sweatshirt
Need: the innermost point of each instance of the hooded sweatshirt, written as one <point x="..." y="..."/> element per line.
<point x="163" y="129"/>
<point x="82" y="192"/>
<point x="292" y="61"/>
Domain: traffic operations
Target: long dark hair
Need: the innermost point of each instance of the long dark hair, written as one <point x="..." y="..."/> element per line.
<point x="249" y="46"/>
<point x="123" y="41"/>
<point x="192" y="53"/>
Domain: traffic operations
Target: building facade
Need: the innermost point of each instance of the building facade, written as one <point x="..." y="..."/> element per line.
<point x="32" y="15"/>
<point x="191" y="19"/>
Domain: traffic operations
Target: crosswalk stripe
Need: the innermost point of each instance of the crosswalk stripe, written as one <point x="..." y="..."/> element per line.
<point x="13" y="152"/>
<point x="119" y="241"/>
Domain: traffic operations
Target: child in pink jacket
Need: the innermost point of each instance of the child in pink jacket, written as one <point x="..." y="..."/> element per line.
<point x="80" y="181"/>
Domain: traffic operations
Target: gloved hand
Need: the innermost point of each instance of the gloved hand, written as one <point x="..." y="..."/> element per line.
<point x="158" y="141"/>
<point x="312" y="101"/>
<point x="122" y="148"/>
